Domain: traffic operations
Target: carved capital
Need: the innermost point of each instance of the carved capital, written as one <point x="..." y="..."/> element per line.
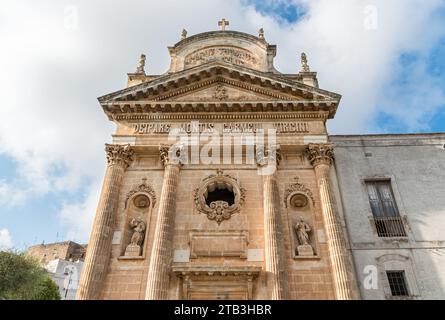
<point x="270" y="156"/>
<point x="118" y="154"/>
<point x="171" y="154"/>
<point x="320" y="154"/>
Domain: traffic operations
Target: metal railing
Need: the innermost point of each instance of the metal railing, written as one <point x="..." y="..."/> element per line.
<point x="390" y="227"/>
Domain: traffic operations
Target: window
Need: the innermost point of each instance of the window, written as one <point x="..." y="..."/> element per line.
<point x="387" y="220"/>
<point x="381" y="199"/>
<point x="397" y="283"/>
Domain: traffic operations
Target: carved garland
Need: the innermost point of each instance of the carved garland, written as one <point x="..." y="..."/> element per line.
<point x="219" y="210"/>
<point x="142" y="188"/>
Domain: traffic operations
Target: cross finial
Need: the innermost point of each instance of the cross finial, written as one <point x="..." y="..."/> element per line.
<point x="223" y="23"/>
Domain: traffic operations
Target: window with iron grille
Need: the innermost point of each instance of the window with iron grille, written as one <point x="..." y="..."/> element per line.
<point x="387" y="220"/>
<point x="397" y="283"/>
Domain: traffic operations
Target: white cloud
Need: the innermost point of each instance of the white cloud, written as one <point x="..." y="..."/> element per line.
<point x="53" y="127"/>
<point x="5" y="240"/>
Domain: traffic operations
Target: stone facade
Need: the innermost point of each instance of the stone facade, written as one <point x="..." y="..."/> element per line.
<point x="221" y="182"/>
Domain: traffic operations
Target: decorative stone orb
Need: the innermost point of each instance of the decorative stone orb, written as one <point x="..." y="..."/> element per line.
<point x="299" y="201"/>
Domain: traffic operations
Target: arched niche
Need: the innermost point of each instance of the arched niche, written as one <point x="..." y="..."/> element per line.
<point x="139" y="205"/>
<point x="299" y="203"/>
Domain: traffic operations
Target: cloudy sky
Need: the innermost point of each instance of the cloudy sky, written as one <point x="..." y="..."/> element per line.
<point x="385" y="57"/>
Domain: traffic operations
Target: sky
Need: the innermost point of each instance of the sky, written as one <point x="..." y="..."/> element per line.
<point x="386" y="59"/>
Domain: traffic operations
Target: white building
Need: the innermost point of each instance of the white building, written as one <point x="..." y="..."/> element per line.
<point x="392" y="190"/>
<point x="66" y="275"/>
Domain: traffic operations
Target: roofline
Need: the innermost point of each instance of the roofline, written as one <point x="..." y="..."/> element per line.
<point x="390" y="135"/>
<point x="219" y="33"/>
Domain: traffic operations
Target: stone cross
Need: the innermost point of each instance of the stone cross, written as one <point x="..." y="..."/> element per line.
<point x="223" y="23"/>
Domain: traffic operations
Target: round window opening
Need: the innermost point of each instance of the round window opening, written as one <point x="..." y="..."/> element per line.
<point x="219" y="191"/>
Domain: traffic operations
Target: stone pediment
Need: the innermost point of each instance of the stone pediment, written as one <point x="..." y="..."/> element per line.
<point x="219" y="86"/>
<point x="221" y="91"/>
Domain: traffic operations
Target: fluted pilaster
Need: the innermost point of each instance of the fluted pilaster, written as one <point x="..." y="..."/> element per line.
<point x="161" y="255"/>
<point x="99" y="246"/>
<point x="321" y="157"/>
<point x="273" y="235"/>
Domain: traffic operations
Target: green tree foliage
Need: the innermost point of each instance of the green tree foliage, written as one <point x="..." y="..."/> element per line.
<point x="23" y="278"/>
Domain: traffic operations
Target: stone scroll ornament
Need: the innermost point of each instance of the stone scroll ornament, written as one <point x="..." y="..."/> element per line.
<point x="219" y="210"/>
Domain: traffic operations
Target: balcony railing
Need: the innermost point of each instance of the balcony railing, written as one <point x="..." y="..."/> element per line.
<point x="390" y="227"/>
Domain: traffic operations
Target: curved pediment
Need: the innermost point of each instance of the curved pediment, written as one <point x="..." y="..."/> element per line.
<point x="236" y="48"/>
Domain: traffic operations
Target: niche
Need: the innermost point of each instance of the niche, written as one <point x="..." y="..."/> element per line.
<point x="300" y="206"/>
<point x="138" y="210"/>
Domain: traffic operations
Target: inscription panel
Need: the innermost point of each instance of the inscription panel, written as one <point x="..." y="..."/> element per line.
<point x="231" y="127"/>
<point x="228" y="54"/>
<point x="218" y="244"/>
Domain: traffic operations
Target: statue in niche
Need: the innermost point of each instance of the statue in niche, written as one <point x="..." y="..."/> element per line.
<point x="302" y="230"/>
<point x="135" y="246"/>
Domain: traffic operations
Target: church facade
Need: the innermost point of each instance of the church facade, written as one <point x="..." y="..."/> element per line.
<point x="223" y="183"/>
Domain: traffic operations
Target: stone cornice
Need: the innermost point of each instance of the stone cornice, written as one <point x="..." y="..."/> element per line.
<point x="322" y="116"/>
<point x="121" y="155"/>
<point x="227" y="106"/>
<point x="150" y="91"/>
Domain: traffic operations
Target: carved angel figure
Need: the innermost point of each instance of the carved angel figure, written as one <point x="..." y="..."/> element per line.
<point x="138" y="226"/>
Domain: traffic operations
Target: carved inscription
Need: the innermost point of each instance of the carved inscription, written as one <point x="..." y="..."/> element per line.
<point x="227" y="54"/>
<point x="232" y="127"/>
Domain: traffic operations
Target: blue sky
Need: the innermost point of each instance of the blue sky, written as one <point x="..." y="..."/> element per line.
<point x="385" y="58"/>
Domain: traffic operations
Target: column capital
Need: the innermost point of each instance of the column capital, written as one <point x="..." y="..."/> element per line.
<point x="171" y="154"/>
<point x="268" y="157"/>
<point x="320" y="153"/>
<point x="118" y="154"/>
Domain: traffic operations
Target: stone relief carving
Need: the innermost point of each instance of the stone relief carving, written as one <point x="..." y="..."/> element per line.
<point x="220" y="93"/>
<point x="296" y="195"/>
<point x="144" y="187"/>
<point x="219" y="210"/>
<point x="302" y="230"/>
<point x="137" y="239"/>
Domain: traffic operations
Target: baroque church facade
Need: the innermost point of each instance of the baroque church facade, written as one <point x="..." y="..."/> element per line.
<point x="223" y="183"/>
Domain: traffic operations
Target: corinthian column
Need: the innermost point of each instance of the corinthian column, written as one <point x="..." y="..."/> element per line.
<point x="161" y="254"/>
<point x="321" y="157"/>
<point x="119" y="158"/>
<point x="273" y="235"/>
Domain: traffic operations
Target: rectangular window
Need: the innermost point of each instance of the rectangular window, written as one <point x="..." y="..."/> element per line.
<point x="384" y="209"/>
<point x="397" y="283"/>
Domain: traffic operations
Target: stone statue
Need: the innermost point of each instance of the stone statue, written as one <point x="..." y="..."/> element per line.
<point x="183" y="34"/>
<point x="261" y="33"/>
<point x="302" y="230"/>
<point x="141" y="66"/>
<point x="135" y="246"/>
<point x="138" y="231"/>
<point x="304" y="64"/>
